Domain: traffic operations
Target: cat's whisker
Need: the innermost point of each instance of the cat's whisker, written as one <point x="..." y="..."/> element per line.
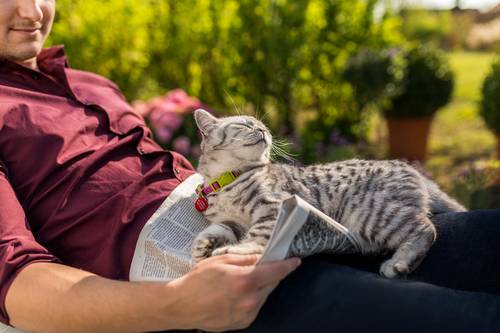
<point x="278" y="150"/>
<point x="281" y="143"/>
<point x="261" y="116"/>
<point x="239" y="110"/>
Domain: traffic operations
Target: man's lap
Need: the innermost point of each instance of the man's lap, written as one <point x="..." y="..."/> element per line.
<point x="455" y="289"/>
<point x="326" y="294"/>
<point x="466" y="254"/>
<point x="325" y="297"/>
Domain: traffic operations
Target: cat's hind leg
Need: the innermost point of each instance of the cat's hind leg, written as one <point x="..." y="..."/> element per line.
<point x="213" y="237"/>
<point x="410" y="253"/>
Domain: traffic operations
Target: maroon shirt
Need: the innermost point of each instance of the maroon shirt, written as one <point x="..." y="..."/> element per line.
<point x="79" y="172"/>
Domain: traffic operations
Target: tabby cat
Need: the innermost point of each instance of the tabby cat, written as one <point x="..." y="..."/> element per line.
<point x="385" y="204"/>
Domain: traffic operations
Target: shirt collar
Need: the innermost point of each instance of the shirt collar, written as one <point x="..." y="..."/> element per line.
<point x="47" y="59"/>
<point x="51" y="55"/>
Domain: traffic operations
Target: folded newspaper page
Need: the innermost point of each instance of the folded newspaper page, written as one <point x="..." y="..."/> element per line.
<point x="292" y="236"/>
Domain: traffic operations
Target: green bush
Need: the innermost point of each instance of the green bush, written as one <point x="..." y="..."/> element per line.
<point x="426" y="87"/>
<point x="282" y="58"/>
<point x="110" y="38"/>
<point x="375" y="75"/>
<point x="490" y="102"/>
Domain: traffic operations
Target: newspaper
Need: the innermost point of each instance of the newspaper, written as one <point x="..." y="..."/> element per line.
<point x="163" y="251"/>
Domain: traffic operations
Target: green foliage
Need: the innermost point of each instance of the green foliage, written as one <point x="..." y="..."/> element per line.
<point x="284" y="58"/>
<point x="427" y="85"/>
<point x="475" y="186"/>
<point x="426" y="26"/>
<point x="109" y="38"/>
<point x="490" y="102"/>
<point x="375" y="75"/>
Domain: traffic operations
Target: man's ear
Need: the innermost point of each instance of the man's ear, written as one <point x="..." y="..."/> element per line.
<point x="204" y="120"/>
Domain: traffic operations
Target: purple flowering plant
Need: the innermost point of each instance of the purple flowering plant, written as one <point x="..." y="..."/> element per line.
<point x="170" y="118"/>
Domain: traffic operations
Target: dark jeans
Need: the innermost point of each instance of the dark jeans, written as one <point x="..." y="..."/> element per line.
<point x="455" y="289"/>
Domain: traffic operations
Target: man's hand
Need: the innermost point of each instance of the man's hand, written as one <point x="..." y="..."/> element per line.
<point x="224" y="292"/>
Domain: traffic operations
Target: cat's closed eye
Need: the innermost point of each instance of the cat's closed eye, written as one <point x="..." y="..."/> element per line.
<point x="241" y="126"/>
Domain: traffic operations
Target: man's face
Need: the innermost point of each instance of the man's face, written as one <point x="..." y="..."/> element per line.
<point x="24" y="27"/>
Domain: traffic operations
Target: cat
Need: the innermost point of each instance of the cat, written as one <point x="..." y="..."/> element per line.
<point x="385" y="204"/>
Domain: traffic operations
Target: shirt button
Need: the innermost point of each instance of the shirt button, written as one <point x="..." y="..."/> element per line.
<point x="141" y="151"/>
<point x="177" y="171"/>
<point x="35" y="76"/>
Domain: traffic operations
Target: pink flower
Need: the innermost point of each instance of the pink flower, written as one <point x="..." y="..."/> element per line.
<point x="155" y="102"/>
<point x="174" y="101"/>
<point x="169" y="106"/>
<point x="141" y="107"/>
<point x="163" y="135"/>
<point x="166" y="115"/>
<point x="168" y="120"/>
<point x="195" y="151"/>
<point x="179" y="101"/>
<point x="182" y="145"/>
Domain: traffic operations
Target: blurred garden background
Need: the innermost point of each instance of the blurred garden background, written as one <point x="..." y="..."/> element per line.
<point x="328" y="76"/>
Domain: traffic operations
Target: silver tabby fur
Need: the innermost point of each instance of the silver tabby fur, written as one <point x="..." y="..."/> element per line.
<point x="385" y="204"/>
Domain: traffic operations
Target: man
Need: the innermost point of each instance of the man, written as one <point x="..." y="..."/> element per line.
<point x="79" y="167"/>
<point x="79" y="177"/>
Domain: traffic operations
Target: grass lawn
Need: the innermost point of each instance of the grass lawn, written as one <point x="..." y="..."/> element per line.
<point x="459" y="140"/>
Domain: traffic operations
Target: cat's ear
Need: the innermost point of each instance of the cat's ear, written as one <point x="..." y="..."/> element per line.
<point x="204" y="120"/>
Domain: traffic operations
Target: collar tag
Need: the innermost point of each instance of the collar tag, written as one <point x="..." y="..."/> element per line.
<point x="201" y="204"/>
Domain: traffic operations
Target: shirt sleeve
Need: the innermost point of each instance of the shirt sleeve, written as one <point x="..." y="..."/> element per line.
<point x="18" y="246"/>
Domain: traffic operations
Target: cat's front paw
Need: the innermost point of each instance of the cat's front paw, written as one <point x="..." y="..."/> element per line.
<point x="208" y="240"/>
<point x="204" y="246"/>
<point x="244" y="248"/>
<point x="394" y="268"/>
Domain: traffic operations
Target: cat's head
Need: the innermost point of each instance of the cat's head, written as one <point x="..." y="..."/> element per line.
<point x="230" y="143"/>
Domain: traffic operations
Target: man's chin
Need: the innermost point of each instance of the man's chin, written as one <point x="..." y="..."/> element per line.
<point x="24" y="53"/>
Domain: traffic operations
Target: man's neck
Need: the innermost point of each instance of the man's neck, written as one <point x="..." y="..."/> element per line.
<point x="30" y="63"/>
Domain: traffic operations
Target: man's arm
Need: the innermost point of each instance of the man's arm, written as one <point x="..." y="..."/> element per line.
<point x="220" y="293"/>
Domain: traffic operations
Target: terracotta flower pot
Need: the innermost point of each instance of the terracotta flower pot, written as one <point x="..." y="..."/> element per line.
<point x="408" y="137"/>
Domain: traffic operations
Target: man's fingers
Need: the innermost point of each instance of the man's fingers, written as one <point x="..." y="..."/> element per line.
<point x="266" y="290"/>
<point x="273" y="272"/>
<point x="261" y="275"/>
<point x="235" y="259"/>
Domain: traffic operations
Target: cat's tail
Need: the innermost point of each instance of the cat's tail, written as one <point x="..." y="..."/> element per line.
<point x="440" y="202"/>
